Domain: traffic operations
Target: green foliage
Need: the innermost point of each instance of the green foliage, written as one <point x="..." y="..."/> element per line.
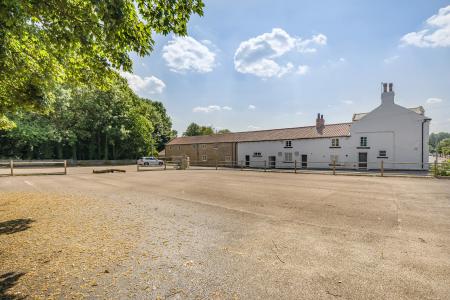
<point x="194" y="129"/>
<point x="46" y="43"/>
<point x="435" y="138"/>
<point x="223" y="131"/>
<point x="444" y="147"/>
<point x="88" y="123"/>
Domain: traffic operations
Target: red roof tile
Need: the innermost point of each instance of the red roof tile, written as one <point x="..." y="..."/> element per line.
<point x="309" y="132"/>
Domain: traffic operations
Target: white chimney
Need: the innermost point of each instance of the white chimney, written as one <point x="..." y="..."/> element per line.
<point x="387" y="96"/>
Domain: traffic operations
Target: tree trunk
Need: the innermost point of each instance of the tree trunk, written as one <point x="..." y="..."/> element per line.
<point x="106" y="147"/>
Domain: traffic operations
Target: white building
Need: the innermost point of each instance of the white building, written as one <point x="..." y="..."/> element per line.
<point x="396" y="135"/>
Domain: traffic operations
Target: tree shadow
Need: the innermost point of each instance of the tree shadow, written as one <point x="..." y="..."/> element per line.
<point x="13" y="226"/>
<point x="7" y="281"/>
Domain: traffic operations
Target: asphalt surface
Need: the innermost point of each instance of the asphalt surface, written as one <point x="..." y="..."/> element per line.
<point x="205" y="234"/>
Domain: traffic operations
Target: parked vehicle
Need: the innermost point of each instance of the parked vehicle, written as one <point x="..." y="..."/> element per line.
<point x="150" y="161"/>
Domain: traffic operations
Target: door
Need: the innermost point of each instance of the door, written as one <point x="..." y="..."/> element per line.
<point x="247" y="160"/>
<point x="362" y="160"/>
<point x="272" y="162"/>
<point x="304" y="161"/>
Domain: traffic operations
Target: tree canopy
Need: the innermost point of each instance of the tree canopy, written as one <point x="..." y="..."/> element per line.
<point x="88" y="123"/>
<point x="44" y="44"/>
<point x="435" y="138"/>
<point x="194" y="129"/>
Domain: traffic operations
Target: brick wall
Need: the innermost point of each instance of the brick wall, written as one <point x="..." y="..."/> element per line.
<point x="204" y="154"/>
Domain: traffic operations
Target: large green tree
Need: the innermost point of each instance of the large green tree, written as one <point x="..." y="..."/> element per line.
<point x="46" y="43"/>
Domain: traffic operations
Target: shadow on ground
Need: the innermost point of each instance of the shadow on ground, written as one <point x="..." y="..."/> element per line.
<point x="7" y="281"/>
<point x="13" y="226"/>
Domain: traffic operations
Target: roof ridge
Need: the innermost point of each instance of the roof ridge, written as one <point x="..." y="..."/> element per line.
<point x="262" y="130"/>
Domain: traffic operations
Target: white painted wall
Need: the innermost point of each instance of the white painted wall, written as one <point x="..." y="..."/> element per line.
<point x="389" y="127"/>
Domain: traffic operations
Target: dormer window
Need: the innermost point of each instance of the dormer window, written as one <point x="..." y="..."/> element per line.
<point x="287" y="144"/>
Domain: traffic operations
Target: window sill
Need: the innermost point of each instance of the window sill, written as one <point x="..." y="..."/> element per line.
<point x="288" y="162"/>
<point x="285" y="147"/>
<point x="382" y="157"/>
<point x="335" y="147"/>
<point x="361" y="147"/>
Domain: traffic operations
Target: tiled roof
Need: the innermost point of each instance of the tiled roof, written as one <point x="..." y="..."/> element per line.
<point x="309" y="132"/>
<point x="418" y="110"/>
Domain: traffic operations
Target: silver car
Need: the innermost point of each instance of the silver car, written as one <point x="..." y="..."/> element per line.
<point x="150" y="161"/>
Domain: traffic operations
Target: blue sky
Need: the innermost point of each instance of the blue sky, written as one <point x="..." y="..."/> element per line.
<point x="257" y="64"/>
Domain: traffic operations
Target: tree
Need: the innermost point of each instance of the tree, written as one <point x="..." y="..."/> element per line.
<point x="435" y="138"/>
<point x="194" y="129"/>
<point x="46" y="43"/>
<point x="88" y="123"/>
<point x="223" y="131"/>
<point x="444" y="146"/>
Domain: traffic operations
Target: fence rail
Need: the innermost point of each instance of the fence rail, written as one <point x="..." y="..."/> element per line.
<point x="14" y="165"/>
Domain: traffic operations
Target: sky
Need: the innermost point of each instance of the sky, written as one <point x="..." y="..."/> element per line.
<point x="260" y="64"/>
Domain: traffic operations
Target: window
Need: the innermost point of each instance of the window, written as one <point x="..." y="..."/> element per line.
<point x="193" y="146"/>
<point x="203" y="146"/>
<point x="170" y="147"/>
<point x="227" y="157"/>
<point x="382" y="153"/>
<point x="204" y="157"/>
<point x="363" y="141"/>
<point x="288" y="144"/>
<point x="257" y="154"/>
<point x="334" y="142"/>
<point x="179" y="147"/>
<point x="334" y="158"/>
<point x="287" y="156"/>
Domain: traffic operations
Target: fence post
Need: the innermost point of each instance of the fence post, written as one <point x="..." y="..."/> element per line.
<point x="216" y="164"/>
<point x="65" y="167"/>
<point x="435" y="169"/>
<point x="242" y="165"/>
<point x="165" y="165"/>
<point x="334" y="167"/>
<point x="295" y="166"/>
<point x="382" y="168"/>
<point x="265" y="165"/>
<point x="11" y="164"/>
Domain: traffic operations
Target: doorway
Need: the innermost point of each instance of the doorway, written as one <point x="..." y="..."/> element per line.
<point x="362" y="160"/>
<point x="272" y="162"/>
<point x="247" y="160"/>
<point x="304" y="161"/>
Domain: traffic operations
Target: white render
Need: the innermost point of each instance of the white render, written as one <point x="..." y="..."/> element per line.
<point x="389" y="127"/>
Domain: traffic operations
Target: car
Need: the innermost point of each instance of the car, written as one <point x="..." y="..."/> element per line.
<point x="149" y="161"/>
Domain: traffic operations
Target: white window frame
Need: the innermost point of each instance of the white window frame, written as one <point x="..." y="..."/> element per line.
<point x="363" y="141"/>
<point x="380" y="155"/>
<point x="288" y="156"/>
<point x="257" y="154"/>
<point x="203" y="146"/>
<point x="227" y="158"/>
<point x="204" y="157"/>
<point x="335" y="142"/>
<point x="288" y="144"/>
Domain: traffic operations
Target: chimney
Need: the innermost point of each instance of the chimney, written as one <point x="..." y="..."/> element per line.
<point x="387" y="96"/>
<point x="320" y="123"/>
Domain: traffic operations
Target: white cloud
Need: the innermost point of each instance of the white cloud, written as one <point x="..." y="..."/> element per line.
<point x="184" y="54"/>
<point x="258" y="55"/>
<point x="210" y="108"/>
<point x="434" y="100"/>
<point x="435" y="34"/>
<point x="391" y="59"/>
<point x="145" y="85"/>
<point x="251" y="107"/>
<point x="253" y="127"/>
<point x="348" y="102"/>
<point x="302" y="69"/>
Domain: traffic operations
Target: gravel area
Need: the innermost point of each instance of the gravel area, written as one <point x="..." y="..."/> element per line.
<point x="223" y="235"/>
